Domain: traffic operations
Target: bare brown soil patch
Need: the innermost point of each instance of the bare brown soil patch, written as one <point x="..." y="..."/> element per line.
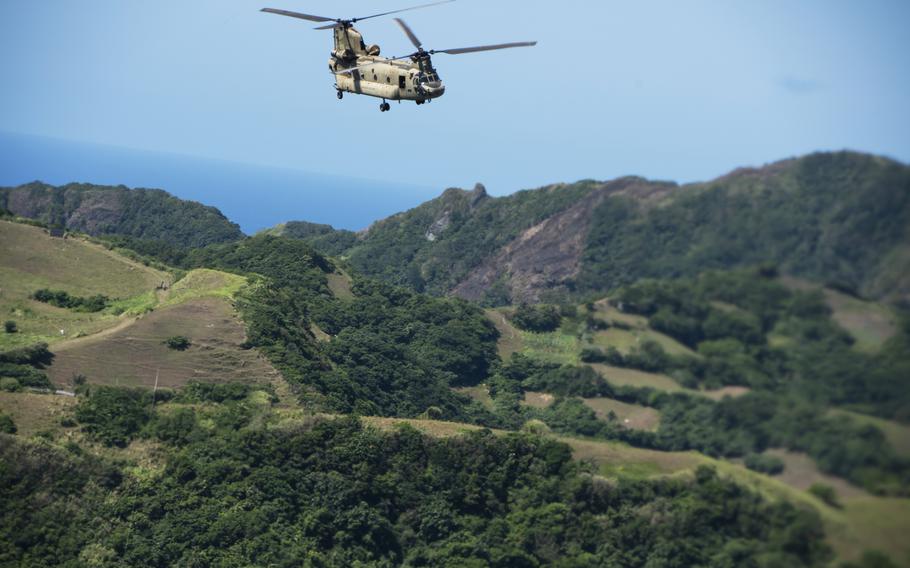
<point x="136" y="354"/>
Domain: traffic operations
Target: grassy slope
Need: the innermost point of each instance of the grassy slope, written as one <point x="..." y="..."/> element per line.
<point x="898" y="435"/>
<point x="198" y="307"/>
<point x="125" y="349"/>
<point x="30" y="260"/>
<point x="870" y="323"/>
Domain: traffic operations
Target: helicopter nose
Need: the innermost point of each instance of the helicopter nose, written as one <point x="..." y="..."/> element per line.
<point x="435" y="89"/>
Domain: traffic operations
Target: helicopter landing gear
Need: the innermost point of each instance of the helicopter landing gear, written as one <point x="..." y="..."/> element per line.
<point x="385" y="107"/>
<point x="340" y="95"/>
<point x="420" y="101"/>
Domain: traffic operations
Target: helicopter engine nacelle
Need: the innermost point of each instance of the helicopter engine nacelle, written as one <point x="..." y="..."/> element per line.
<point x="343" y="54"/>
<point x="373" y="50"/>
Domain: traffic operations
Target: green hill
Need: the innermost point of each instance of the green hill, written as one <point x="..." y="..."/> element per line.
<point x="833" y="218"/>
<point x="148" y="214"/>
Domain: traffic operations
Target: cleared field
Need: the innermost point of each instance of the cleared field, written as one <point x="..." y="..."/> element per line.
<point x="30" y="260"/>
<point x="510" y="340"/>
<point x="33" y="413"/>
<point x="604" y="311"/>
<point x="615" y="459"/>
<point x="719" y="394"/>
<point x="618" y="376"/>
<point x="538" y="399"/>
<point x="135" y="354"/>
<point x="625" y="340"/>
<point x="898" y="434"/>
<point x="801" y="472"/>
<point x="340" y="285"/>
<point x="202" y="283"/>
<point x="555" y="347"/>
<point x="629" y="415"/>
<point x="480" y="393"/>
<point x="870" y="323"/>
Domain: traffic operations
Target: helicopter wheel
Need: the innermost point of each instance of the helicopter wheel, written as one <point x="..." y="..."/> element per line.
<point x="340" y="95"/>
<point x="385" y="107"/>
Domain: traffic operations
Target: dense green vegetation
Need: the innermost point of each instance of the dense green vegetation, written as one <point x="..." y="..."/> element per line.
<point x="393" y="352"/>
<point x="148" y="214"/>
<point x="833" y="218"/>
<point x="62" y="299"/>
<point x="536" y="318"/>
<point x="324" y="238"/>
<point x="240" y="487"/>
<point x="241" y="483"/>
<point x="22" y="367"/>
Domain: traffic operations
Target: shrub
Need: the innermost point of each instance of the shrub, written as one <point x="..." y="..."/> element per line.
<point x="10" y="326"/>
<point x="7" y="426"/>
<point x="114" y="415"/>
<point x="62" y="299"/>
<point x="10" y="384"/>
<point x="540" y="319"/>
<point x="826" y="493"/>
<point x="178" y="343"/>
<point x="771" y="465"/>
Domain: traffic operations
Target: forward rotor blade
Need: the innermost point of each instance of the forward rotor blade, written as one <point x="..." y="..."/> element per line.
<point x="409" y="33"/>
<point x="297" y="15"/>
<point x="460" y="50"/>
<point x="404" y="10"/>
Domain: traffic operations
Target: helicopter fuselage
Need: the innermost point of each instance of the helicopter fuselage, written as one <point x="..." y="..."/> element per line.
<point x="412" y="79"/>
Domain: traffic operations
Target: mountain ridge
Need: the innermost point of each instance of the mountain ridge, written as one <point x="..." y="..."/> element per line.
<point x="836" y="218"/>
<point x="149" y="214"/>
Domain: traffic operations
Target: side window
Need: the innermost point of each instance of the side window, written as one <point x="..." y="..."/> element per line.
<point x="401" y="82"/>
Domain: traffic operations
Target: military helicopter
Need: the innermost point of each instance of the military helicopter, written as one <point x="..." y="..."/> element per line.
<point x="360" y="69"/>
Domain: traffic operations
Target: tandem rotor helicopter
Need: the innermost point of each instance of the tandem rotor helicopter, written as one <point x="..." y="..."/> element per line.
<point x="359" y="68"/>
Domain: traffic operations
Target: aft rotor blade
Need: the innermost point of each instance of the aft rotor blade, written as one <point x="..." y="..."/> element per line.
<point x="409" y="33"/>
<point x="404" y="10"/>
<point x="460" y="50"/>
<point x="297" y="15"/>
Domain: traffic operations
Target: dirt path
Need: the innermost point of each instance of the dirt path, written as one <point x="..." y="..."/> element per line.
<point x="89" y="339"/>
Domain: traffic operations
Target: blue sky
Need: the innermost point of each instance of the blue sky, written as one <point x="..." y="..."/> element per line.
<point x="682" y="90"/>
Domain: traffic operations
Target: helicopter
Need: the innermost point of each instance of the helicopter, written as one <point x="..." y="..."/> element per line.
<point x="360" y="69"/>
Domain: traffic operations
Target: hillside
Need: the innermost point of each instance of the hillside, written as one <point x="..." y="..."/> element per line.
<point x="148" y="214"/>
<point x="30" y="260"/>
<point x="713" y="370"/>
<point x="839" y="218"/>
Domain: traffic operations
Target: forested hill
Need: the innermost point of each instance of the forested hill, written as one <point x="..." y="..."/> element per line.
<point x="148" y="214"/>
<point x="841" y="219"/>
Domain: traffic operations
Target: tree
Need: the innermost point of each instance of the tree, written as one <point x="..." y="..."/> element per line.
<point x="10" y="326"/>
<point x="826" y="493"/>
<point x="539" y="319"/>
<point x="178" y="343"/>
<point x="7" y="426"/>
